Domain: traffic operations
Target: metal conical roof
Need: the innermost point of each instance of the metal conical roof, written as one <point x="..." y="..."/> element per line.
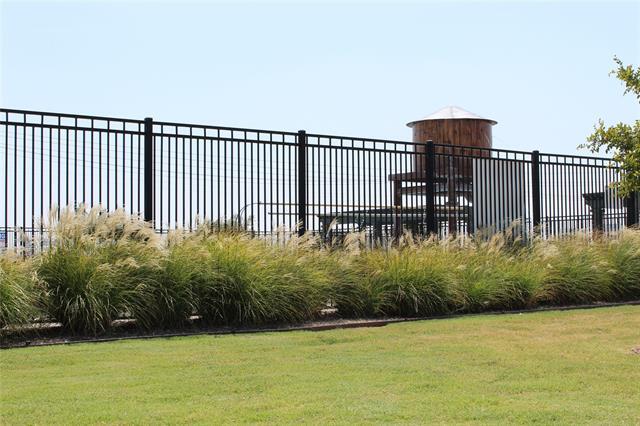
<point x="452" y="113"/>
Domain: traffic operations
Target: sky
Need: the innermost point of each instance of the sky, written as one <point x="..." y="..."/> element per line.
<point x="362" y="69"/>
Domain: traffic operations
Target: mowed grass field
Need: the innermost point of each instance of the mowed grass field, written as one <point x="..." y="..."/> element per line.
<point x="570" y="367"/>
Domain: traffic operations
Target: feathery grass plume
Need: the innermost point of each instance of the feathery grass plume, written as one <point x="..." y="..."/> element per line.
<point x="354" y="243"/>
<point x="411" y="280"/>
<point x="80" y="292"/>
<point x="498" y="274"/>
<point x="242" y="280"/>
<point x="101" y="266"/>
<point x="188" y="266"/>
<point x="236" y="223"/>
<point x="575" y="271"/>
<point x="347" y="291"/>
<point x="304" y="260"/>
<point x="18" y="297"/>
<point x="623" y="256"/>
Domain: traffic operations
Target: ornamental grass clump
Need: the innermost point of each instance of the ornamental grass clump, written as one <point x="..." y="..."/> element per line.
<point x="101" y="267"/>
<point x="348" y="291"/>
<point x="18" y="296"/>
<point x="576" y="271"/>
<point x="242" y="280"/>
<point x="492" y="276"/>
<point x="412" y="280"/>
<point x="623" y="257"/>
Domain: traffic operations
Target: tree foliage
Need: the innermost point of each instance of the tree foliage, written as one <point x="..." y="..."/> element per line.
<point x="622" y="140"/>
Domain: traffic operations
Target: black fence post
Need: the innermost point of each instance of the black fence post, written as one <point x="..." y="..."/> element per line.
<point x="535" y="190"/>
<point x="632" y="209"/>
<point x="432" y="227"/>
<point x="148" y="170"/>
<point x="302" y="182"/>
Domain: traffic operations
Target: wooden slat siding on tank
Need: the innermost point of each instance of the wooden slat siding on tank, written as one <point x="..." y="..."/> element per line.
<point x="457" y="132"/>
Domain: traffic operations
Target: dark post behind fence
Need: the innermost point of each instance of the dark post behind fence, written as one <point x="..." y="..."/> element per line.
<point x="302" y="182"/>
<point x="148" y="170"/>
<point x="535" y="190"/>
<point x="632" y="212"/>
<point x="432" y="227"/>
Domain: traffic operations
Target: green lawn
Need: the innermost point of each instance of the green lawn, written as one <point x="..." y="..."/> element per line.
<point x="570" y="367"/>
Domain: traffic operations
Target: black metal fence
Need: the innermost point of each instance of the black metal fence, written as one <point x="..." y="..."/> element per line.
<point x="180" y="175"/>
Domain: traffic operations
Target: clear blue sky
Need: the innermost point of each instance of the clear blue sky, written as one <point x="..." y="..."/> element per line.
<point x="539" y="69"/>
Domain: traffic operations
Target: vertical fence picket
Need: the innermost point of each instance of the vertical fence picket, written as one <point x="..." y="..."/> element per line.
<point x="148" y="170"/>
<point x="302" y="182"/>
<point x="535" y="190"/>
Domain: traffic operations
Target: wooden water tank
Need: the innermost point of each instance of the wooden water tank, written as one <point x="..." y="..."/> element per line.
<point x="456" y="127"/>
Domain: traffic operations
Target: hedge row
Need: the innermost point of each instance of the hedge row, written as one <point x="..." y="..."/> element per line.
<point x="102" y="267"/>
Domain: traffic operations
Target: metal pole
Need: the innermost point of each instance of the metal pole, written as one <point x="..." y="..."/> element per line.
<point x="148" y="170"/>
<point x="432" y="226"/>
<point x="397" y="209"/>
<point x="535" y="189"/>
<point x="302" y="182"/>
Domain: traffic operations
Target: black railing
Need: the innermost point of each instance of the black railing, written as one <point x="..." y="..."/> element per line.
<point x="180" y="175"/>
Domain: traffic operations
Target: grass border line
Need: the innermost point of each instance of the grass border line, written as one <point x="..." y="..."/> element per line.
<point x="325" y="326"/>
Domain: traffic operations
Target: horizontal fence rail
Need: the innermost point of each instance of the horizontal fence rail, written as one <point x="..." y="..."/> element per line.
<point x="181" y="176"/>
